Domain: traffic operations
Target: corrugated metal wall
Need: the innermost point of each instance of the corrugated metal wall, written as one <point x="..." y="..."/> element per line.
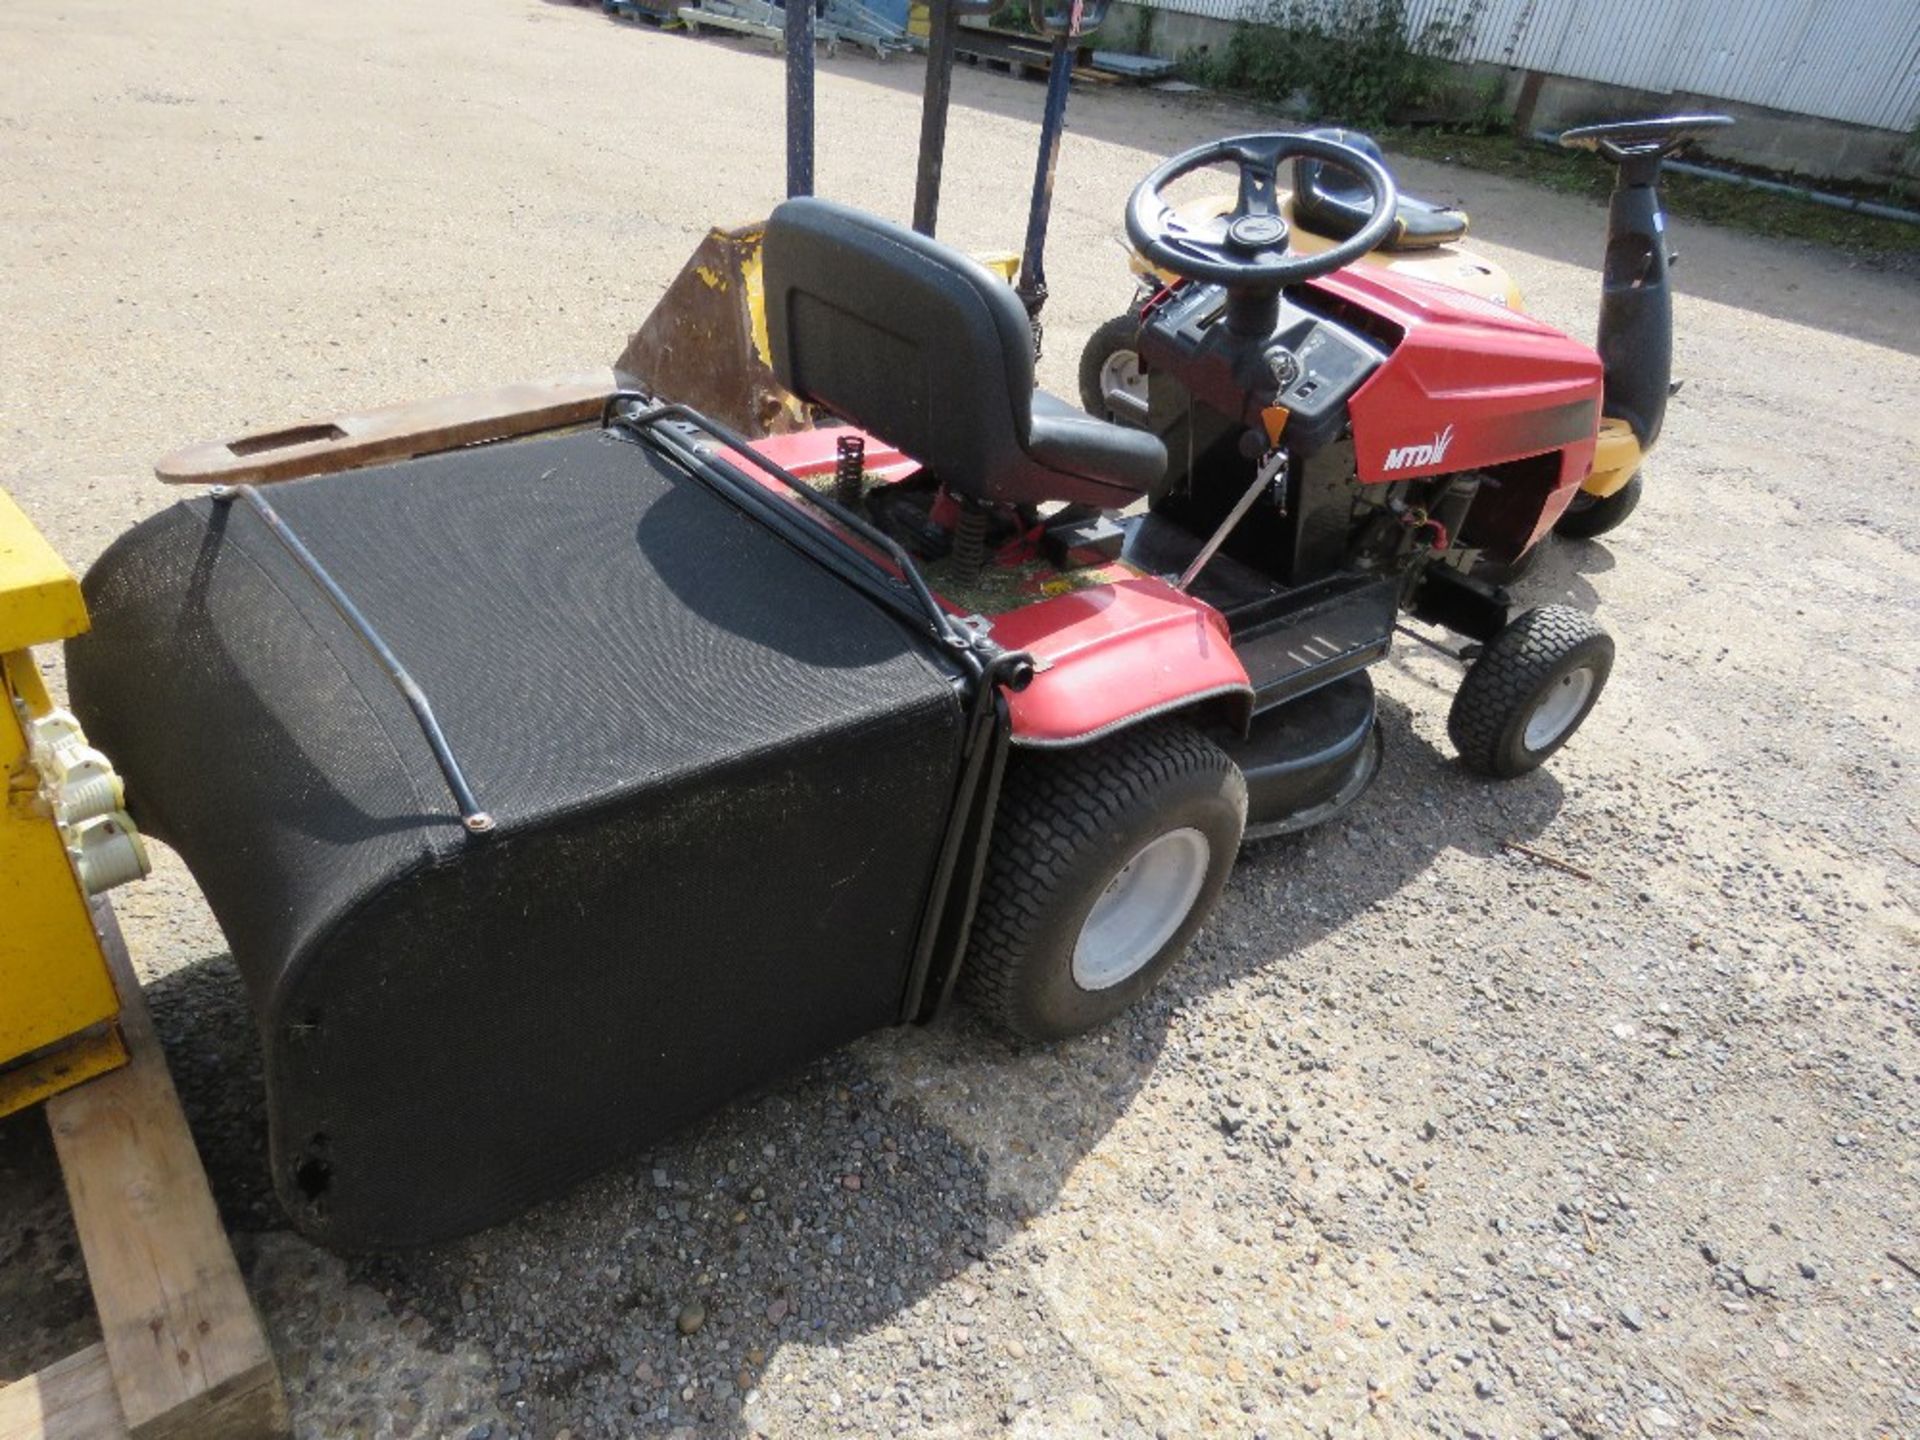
<point x="1854" y="60"/>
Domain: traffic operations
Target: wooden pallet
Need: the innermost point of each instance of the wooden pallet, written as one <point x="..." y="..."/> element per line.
<point x="648" y="12"/>
<point x="1027" y="56"/>
<point x="182" y="1355"/>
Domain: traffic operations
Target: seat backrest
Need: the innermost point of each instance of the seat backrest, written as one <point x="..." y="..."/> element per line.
<point x="901" y="335"/>
<point x="1318" y="181"/>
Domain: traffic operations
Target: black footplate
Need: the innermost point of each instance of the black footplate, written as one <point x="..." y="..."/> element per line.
<point x="1291" y="641"/>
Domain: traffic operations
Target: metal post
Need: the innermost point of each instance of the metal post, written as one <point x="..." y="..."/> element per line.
<point x="941" y="20"/>
<point x="1053" y="124"/>
<point x="799" y="42"/>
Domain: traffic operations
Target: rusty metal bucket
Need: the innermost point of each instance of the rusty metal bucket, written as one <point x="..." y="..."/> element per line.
<point x="705" y="343"/>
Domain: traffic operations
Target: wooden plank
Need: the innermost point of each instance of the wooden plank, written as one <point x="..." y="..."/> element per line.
<point x="392" y="432"/>
<point x="189" y="1359"/>
<point x="72" y="1399"/>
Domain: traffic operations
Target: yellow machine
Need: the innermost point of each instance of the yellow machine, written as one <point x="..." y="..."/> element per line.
<point x="63" y="839"/>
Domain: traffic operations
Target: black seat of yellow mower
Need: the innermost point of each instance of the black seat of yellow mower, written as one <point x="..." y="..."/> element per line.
<point x="927" y="349"/>
<point x="1330" y="202"/>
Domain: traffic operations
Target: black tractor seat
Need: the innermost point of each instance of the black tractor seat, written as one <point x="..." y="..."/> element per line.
<point x="1331" y="202"/>
<point x="930" y="351"/>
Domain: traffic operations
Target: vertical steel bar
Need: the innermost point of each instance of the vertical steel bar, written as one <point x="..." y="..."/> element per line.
<point x="933" y="115"/>
<point x="799" y="42"/>
<point x="1053" y="124"/>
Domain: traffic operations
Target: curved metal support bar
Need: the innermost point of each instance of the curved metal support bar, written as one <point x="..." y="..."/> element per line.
<point x="944" y="626"/>
<point x="473" y="817"/>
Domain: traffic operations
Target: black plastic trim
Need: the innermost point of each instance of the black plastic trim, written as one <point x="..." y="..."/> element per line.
<point x="963" y="861"/>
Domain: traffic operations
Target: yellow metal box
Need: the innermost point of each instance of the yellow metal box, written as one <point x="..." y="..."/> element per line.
<point x="57" y="1001"/>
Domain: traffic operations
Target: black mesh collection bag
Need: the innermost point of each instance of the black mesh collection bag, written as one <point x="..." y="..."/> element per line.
<point x="721" y="778"/>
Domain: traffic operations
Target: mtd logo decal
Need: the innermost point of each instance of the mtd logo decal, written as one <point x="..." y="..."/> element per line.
<point x="1407" y="457"/>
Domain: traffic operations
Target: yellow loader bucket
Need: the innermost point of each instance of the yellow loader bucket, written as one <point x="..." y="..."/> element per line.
<point x="705" y="344"/>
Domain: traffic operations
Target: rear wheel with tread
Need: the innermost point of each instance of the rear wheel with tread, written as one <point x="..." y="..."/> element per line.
<point x="1529" y="690"/>
<point x="1104" y="861"/>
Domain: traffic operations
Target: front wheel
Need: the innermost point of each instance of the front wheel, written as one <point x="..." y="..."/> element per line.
<point x="1591" y="515"/>
<point x="1104" y="861"/>
<point x="1529" y="690"/>
<point x="1112" y="386"/>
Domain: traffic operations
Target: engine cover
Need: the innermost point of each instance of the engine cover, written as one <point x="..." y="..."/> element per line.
<point x="1470" y="385"/>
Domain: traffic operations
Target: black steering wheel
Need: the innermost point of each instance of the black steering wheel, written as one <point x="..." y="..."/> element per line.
<point x="1619" y="139"/>
<point x="1249" y="249"/>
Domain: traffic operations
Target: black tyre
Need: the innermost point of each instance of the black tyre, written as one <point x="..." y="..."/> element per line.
<point x="1110" y="369"/>
<point x="1104" y="861"/>
<point x="1529" y="690"/>
<point x="1590" y="515"/>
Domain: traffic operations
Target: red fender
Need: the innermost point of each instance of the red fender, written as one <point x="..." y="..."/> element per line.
<point x="806" y="453"/>
<point x="1110" y="655"/>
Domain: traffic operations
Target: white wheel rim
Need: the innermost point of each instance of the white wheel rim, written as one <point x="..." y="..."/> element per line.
<point x="1559" y="708"/>
<point x="1120" y="378"/>
<point x="1143" y="904"/>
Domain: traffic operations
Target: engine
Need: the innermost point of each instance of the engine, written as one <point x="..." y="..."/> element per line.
<point x="1415" y="422"/>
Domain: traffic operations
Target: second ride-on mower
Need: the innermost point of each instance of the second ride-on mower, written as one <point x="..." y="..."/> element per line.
<point x="551" y="791"/>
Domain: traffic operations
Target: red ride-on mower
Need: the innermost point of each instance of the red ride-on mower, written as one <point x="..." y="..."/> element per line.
<point x="550" y="792"/>
<point x="1198" y="631"/>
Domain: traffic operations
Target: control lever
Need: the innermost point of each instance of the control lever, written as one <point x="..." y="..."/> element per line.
<point x="1272" y="470"/>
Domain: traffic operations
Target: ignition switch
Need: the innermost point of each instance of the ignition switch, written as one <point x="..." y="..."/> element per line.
<point x="1283" y="366"/>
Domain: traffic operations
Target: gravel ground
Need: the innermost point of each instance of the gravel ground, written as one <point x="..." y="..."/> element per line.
<point x="1427" y="1136"/>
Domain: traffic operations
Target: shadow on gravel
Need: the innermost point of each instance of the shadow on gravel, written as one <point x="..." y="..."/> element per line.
<point x="1299" y="889"/>
<point x="810" y="1213"/>
<point x="206" y="1025"/>
<point x="46" y="1309"/>
<point x="1562" y="576"/>
<point x="827" y="1206"/>
<point x="751" y="1215"/>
